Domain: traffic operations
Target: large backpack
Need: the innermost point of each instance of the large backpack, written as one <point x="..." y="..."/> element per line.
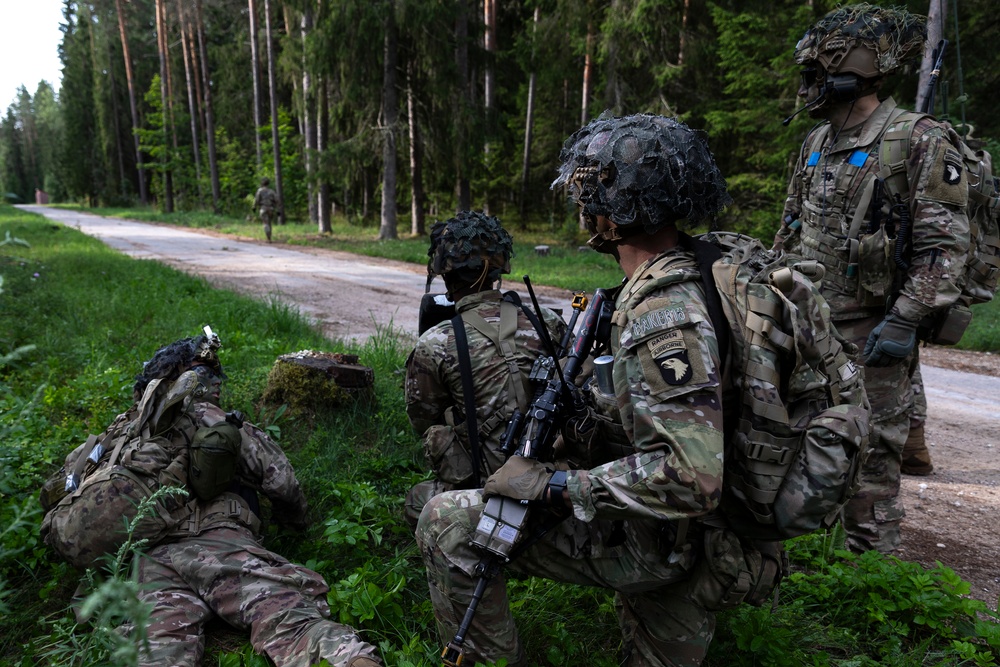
<point x="91" y="500"/>
<point x="797" y="417"/>
<point x="982" y="266"/>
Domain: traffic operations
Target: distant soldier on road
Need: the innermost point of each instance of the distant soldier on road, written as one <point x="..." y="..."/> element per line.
<point x="266" y="204"/>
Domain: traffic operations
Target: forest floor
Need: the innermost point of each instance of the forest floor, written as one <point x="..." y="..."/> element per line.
<point x="952" y="515"/>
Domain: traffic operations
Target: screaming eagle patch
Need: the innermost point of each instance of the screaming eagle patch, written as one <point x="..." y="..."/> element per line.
<point x="676" y="368"/>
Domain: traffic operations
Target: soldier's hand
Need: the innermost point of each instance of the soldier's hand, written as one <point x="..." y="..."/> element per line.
<point x="890" y="342"/>
<point x="519" y="478"/>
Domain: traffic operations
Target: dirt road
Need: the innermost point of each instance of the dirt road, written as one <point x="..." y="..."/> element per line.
<point x="952" y="515"/>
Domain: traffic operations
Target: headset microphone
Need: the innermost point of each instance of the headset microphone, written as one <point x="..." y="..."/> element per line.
<point x="819" y="99"/>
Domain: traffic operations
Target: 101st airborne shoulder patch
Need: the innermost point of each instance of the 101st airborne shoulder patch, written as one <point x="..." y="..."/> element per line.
<point x="669" y="352"/>
<point x="947" y="181"/>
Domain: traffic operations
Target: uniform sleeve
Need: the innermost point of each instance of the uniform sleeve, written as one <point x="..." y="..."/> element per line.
<point x="671" y="408"/>
<point x="940" y="233"/>
<point x="264" y="466"/>
<point x="427" y="395"/>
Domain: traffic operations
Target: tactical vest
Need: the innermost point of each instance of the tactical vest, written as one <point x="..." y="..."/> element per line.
<point x="859" y="272"/>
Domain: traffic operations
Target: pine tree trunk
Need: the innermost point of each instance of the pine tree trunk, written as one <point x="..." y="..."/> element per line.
<point x="529" y="123"/>
<point x="309" y="121"/>
<point x="189" y="81"/>
<point x="255" y="57"/>
<point x="417" y="226"/>
<point x="275" y="136"/>
<point x="143" y="197"/>
<point x="462" y="189"/>
<point x="937" y="12"/>
<point x="161" y="42"/>
<point x="213" y="165"/>
<point x="390" y="114"/>
<point x="322" y="141"/>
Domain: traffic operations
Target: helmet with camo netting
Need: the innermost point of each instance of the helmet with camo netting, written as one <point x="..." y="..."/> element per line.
<point x="863" y="39"/>
<point x="470" y="249"/>
<point x="171" y="360"/>
<point x="643" y="172"/>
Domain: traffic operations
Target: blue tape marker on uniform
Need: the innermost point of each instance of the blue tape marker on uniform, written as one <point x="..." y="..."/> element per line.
<point x="858" y="158"/>
<point x="813" y="159"/>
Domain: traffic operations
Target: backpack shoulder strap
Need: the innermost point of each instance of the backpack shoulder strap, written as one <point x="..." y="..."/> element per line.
<point x="468" y="394"/>
<point x="894" y="150"/>
<point x="502" y="337"/>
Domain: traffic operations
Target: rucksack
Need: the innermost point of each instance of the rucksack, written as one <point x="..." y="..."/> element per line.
<point x="982" y="266"/>
<point x="796" y="413"/>
<point x="91" y="500"/>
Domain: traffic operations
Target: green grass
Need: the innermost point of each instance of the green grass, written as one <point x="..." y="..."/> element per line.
<point x="77" y="319"/>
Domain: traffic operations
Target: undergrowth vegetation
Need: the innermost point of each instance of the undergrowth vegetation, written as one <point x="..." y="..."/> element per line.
<point x="77" y="320"/>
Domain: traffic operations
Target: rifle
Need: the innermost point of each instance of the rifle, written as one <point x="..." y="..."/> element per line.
<point x="928" y="106"/>
<point x="502" y="525"/>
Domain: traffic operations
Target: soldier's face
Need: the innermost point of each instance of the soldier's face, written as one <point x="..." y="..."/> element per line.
<point x="810" y="90"/>
<point x="209" y="384"/>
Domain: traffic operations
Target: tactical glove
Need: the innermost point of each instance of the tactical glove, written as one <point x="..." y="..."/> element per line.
<point x="519" y="478"/>
<point x="890" y="342"/>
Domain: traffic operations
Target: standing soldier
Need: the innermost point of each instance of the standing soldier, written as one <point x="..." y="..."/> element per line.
<point x="266" y="203"/>
<point x="833" y="215"/>
<point x="635" y="523"/>
<point x="470" y="252"/>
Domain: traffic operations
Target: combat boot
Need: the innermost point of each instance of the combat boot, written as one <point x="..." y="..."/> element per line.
<point x="916" y="458"/>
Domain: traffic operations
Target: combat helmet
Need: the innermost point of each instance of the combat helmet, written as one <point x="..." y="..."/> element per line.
<point x="171" y="360"/>
<point x="859" y="44"/>
<point x="469" y="250"/>
<point x="644" y="173"/>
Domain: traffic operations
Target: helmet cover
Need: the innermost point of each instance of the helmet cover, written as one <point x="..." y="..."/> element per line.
<point x="469" y="246"/>
<point x="863" y="39"/>
<point x="171" y="360"/>
<point x="643" y="170"/>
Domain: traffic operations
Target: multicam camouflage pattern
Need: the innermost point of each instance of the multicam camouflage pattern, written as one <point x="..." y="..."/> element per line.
<point x="872" y="517"/>
<point x="266" y="203"/>
<point x="434" y="398"/>
<point x="666" y="377"/>
<point x="829" y="186"/>
<point x="824" y="196"/>
<point x="661" y="623"/>
<point x="225" y="572"/>
<point x="804" y="424"/>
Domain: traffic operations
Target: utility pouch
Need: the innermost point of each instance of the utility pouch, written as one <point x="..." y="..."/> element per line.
<point x="946" y="328"/>
<point x="448" y="456"/>
<point x="212" y="462"/>
<point x="731" y="571"/>
<point x="876" y="268"/>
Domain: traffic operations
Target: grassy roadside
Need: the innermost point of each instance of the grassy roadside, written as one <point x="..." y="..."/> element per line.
<point x="93" y="315"/>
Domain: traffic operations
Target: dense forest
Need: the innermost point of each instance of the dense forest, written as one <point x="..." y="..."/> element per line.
<point x="393" y="111"/>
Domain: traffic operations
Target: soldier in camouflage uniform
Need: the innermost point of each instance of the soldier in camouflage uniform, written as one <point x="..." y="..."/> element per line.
<point x="266" y="203"/>
<point x="470" y="251"/>
<point x="828" y="216"/>
<point x="635" y="522"/>
<point x="215" y="565"/>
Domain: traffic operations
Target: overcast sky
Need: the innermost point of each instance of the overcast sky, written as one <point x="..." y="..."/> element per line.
<point x="29" y="46"/>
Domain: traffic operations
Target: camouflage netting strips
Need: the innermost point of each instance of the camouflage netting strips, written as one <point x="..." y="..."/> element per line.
<point x="466" y="242"/>
<point x="643" y="169"/>
<point x="895" y="34"/>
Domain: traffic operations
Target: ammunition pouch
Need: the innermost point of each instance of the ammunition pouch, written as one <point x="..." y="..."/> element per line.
<point x="945" y="328"/>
